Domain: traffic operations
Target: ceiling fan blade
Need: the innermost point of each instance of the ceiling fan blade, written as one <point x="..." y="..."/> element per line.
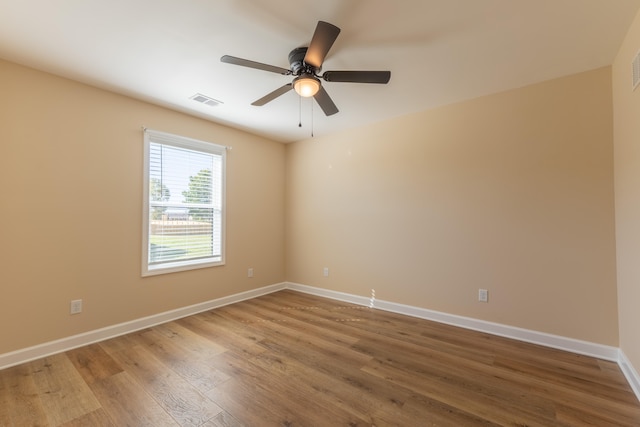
<point x="273" y="95"/>
<point x="322" y="40"/>
<point x="357" y="76"/>
<point x="325" y="102"/>
<point x="252" y="64"/>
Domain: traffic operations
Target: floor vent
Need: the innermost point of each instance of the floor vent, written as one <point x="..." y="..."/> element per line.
<point x="636" y="71"/>
<point x="203" y="99"/>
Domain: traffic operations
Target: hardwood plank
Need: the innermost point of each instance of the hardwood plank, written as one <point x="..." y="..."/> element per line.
<point x="594" y="385"/>
<point x="437" y="413"/>
<point x="436" y="363"/>
<point x="316" y="392"/>
<point x="128" y="404"/>
<point x="191" y="366"/>
<point x="614" y="374"/>
<point x="63" y="392"/>
<point x="175" y="395"/>
<point x="20" y="403"/>
<point x="95" y="418"/>
<point x="251" y="398"/>
<point x="288" y="401"/>
<point x="567" y="415"/>
<point x="469" y="396"/>
<point x="93" y="363"/>
<point x="258" y="407"/>
<point x="123" y="342"/>
<point x="304" y="321"/>
<point x="189" y="340"/>
<point x="230" y="335"/>
<point x="223" y="419"/>
<point x="326" y="348"/>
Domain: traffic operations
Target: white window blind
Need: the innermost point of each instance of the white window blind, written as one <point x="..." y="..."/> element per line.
<point x="184" y="203"/>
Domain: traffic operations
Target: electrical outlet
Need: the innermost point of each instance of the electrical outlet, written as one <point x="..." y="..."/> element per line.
<point x="76" y="306"/>
<point x="325" y="272"/>
<point x="483" y="295"/>
<point x="250" y="272"/>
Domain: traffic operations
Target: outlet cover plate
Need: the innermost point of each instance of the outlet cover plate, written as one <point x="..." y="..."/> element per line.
<point x="76" y="306"/>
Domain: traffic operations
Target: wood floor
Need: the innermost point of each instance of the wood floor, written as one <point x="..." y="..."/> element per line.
<point x="291" y="359"/>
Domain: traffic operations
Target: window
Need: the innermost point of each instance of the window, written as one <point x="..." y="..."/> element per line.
<point x="183" y="215"/>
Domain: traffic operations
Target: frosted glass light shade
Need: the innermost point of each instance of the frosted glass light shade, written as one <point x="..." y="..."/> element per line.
<point x="306" y="85"/>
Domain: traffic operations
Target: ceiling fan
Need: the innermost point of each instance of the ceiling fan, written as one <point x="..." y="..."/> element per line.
<point x="306" y="63"/>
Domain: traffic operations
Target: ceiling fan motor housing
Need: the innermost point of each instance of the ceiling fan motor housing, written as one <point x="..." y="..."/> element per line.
<point x="298" y="66"/>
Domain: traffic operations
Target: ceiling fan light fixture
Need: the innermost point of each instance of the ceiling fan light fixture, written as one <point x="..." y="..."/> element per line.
<point x="306" y="85"/>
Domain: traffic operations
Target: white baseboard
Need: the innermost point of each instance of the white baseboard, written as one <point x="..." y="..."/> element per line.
<point x="568" y="344"/>
<point x="52" y="347"/>
<point x="335" y="295"/>
<point x="630" y="373"/>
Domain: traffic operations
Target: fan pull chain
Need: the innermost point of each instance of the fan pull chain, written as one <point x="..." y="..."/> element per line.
<point x="299" y="111"/>
<point x="311" y="118"/>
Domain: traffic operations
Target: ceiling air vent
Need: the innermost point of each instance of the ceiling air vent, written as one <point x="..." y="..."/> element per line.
<point x="203" y="99"/>
<point x="635" y="65"/>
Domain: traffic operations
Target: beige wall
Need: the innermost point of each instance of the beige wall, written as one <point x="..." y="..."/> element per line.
<point x="71" y="210"/>
<point x="511" y="192"/>
<point x="626" y="106"/>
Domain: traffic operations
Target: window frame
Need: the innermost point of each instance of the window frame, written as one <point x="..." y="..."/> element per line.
<point x="153" y="136"/>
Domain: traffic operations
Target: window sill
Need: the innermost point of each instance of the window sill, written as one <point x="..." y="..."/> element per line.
<point x="174" y="267"/>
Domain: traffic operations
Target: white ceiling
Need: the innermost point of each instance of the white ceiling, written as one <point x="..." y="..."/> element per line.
<point x="438" y="51"/>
